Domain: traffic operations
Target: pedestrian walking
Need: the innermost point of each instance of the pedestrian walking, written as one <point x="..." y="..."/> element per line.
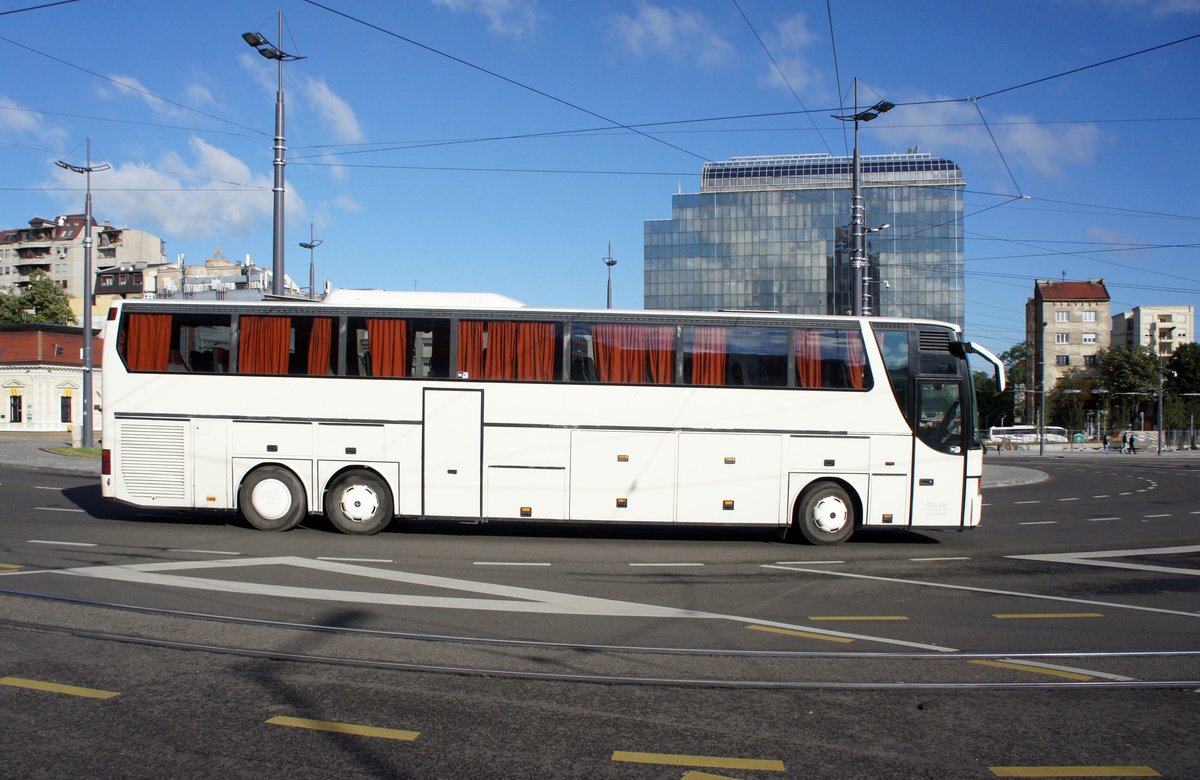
<point x="1124" y="443"/>
<point x="1132" y="444"/>
<point x="1104" y="443"/>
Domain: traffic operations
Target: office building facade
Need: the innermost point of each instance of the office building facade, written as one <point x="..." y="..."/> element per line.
<point x="773" y="234"/>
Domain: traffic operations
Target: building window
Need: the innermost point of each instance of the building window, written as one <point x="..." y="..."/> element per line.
<point x="1062" y="360"/>
<point x="64" y="409"/>
<point x="14" y="409"/>
<point x="1062" y="316"/>
<point x="1089" y="316"/>
<point x="1091" y="360"/>
<point x="1164" y="318"/>
<point x="1062" y="338"/>
<point x="1089" y="338"/>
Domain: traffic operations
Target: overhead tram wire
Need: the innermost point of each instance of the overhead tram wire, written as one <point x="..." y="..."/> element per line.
<point x="504" y="78"/>
<point x="782" y="75"/>
<point x="37" y="7"/>
<point x="130" y="87"/>
<point x="837" y="72"/>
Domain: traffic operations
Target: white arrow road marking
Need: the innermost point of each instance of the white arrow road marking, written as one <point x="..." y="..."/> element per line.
<point x="505" y="598"/>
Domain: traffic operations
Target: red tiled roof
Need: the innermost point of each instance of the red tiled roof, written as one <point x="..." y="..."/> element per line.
<point x="1073" y="291"/>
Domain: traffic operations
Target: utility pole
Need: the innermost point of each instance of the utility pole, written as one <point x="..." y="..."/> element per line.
<point x="85" y="438"/>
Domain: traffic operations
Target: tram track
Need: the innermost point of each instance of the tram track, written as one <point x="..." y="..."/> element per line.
<point x="591" y="663"/>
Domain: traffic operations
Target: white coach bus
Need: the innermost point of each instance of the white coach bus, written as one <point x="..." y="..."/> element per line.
<point x="370" y="406"/>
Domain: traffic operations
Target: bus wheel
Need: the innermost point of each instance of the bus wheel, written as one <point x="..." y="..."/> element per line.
<point x="359" y="502"/>
<point x="826" y="514"/>
<point x="272" y="499"/>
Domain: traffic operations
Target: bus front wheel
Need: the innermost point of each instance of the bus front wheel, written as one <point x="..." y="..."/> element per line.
<point x="826" y="514"/>
<point x="359" y="502"/>
<point x="272" y="499"/>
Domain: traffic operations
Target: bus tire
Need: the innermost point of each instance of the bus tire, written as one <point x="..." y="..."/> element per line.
<point x="359" y="502"/>
<point x="825" y="514"/>
<point x="272" y="498"/>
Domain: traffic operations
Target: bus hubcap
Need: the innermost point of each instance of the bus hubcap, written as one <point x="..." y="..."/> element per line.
<point x="359" y="503"/>
<point x="830" y="514"/>
<point x="271" y="499"/>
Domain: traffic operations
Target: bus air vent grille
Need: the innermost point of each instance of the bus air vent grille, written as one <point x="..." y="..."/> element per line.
<point x="152" y="459"/>
<point x="935" y="341"/>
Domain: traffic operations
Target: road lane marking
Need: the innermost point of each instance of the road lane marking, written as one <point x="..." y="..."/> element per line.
<point x="344" y="728"/>
<point x="46" y="487"/>
<point x="1018" y="503"/>
<point x="808" y="563"/>
<point x="49" y="687"/>
<point x="1039" y="522"/>
<point x="486" y="596"/>
<point x="707" y="762"/>
<point x="9" y="567"/>
<point x="1026" y="667"/>
<point x="1069" y="499"/>
<point x="666" y="564"/>
<point x="64" y="544"/>
<point x="1106" y="495"/>
<point x="1166" y="515"/>
<point x="1019" y="594"/>
<point x="1101" y="519"/>
<point x="803" y="634"/>
<point x="358" y="560"/>
<point x="1095" y="559"/>
<point x="1074" y="772"/>
<point x="203" y="552"/>
<point x="1046" y="615"/>
<point x="497" y="563"/>
<point x="944" y="558"/>
<point x="817" y="618"/>
<point x="57" y="509"/>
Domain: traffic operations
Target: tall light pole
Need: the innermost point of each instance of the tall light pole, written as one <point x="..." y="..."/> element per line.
<point x="266" y="49"/>
<point x="311" y="245"/>
<point x="608" y="261"/>
<point x="1157" y="347"/>
<point x="858" y="258"/>
<point x="85" y="438"/>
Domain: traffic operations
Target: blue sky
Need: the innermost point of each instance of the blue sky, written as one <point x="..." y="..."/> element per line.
<point x="421" y="171"/>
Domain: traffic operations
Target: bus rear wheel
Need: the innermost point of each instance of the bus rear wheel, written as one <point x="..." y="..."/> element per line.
<point x="359" y="502"/>
<point x="271" y="498"/>
<point x="826" y="514"/>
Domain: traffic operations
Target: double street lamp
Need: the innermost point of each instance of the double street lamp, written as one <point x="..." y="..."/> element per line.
<point x="271" y="52"/>
<point x="85" y="438"/>
<point x="608" y="261"/>
<point x="311" y="245"/>
<point x="860" y="304"/>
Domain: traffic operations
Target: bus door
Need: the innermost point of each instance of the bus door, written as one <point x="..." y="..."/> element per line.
<point x="939" y="453"/>
<point x="452" y="449"/>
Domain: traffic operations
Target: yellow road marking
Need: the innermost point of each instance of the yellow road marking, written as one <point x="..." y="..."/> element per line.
<point x="9" y="567"/>
<point x="708" y="762"/>
<point x="1036" y="670"/>
<point x="856" y="617"/>
<point x="344" y="728"/>
<point x="70" y="690"/>
<point x="1037" y="615"/>
<point x="1073" y="771"/>
<point x="805" y="634"/>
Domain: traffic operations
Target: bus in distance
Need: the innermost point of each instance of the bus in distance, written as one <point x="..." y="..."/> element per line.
<point x="371" y="406"/>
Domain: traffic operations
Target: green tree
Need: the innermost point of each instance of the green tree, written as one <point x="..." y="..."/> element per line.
<point x="995" y="408"/>
<point x="1127" y="374"/>
<point x="42" y="301"/>
<point x="1182" y="386"/>
<point x="1014" y="363"/>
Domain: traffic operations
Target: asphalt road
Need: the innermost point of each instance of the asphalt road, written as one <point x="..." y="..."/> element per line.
<point x="1061" y="633"/>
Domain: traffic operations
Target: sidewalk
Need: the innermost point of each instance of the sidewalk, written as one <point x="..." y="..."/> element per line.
<point x="29" y="450"/>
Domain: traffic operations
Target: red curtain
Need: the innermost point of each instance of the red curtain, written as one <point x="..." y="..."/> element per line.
<point x="320" y="339"/>
<point x="388" y="341"/>
<point x="808" y="358"/>
<point x="515" y="350"/>
<point x="708" y="356"/>
<point x="148" y="342"/>
<point x="634" y="354"/>
<point x="263" y="344"/>
<point x="470" y="349"/>
<point x="855" y="358"/>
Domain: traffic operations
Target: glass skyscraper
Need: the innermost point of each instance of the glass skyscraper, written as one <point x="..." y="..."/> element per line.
<point x="774" y="234"/>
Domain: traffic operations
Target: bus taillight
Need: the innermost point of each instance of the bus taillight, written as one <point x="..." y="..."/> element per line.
<point x="105" y="462"/>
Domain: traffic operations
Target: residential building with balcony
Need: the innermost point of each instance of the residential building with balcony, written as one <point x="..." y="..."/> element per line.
<point x="1160" y="328"/>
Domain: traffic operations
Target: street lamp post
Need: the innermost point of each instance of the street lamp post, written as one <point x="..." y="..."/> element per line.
<point x="858" y="259"/>
<point x="266" y="49"/>
<point x="85" y="437"/>
<point x="608" y="261"/>
<point x="311" y="245"/>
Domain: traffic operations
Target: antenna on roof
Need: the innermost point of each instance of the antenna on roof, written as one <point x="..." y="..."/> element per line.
<point x="1064" y="276"/>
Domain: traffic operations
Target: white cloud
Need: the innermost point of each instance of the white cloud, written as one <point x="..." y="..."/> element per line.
<point x="515" y="18"/>
<point x="15" y="118"/>
<point x="184" y="198"/>
<point x="334" y="113"/>
<point x="677" y="33"/>
<point x="788" y="43"/>
<point x="954" y="128"/>
<point x="347" y="203"/>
